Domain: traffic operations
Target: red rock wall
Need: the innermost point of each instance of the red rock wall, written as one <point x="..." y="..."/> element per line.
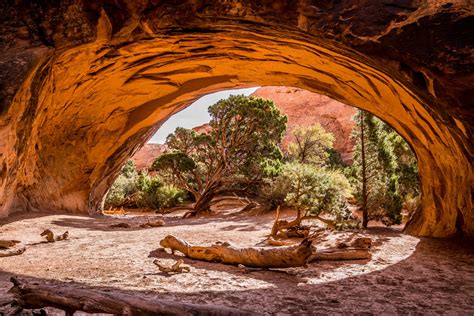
<point x="84" y="84"/>
<point x="144" y="157"/>
<point x="305" y="108"/>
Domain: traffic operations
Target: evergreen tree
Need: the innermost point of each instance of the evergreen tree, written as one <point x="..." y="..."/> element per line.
<point x="375" y="169"/>
<point x="240" y="149"/>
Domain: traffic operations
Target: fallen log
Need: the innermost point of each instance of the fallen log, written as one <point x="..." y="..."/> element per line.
<point x="358" y="249"/>
<point x="341" y="254"/>
<point x="257" y="257"/>
<point x="120" y="225"/>
<point x="157" y="223"/>
<point x="72" y="299"/>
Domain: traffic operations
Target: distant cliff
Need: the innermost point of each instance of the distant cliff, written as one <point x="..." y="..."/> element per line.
<point x="306" y="108"/>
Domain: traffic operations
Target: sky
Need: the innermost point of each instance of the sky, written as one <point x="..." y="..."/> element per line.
<point x="196" y="114"/>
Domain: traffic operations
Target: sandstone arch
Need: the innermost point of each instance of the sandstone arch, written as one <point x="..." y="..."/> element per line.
<point x="93" y="98"/>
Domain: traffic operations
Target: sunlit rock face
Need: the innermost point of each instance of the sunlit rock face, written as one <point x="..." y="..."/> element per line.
<point x="144" y="158"/>
<point x="84" y="84"/>
<point x="304" y="108"/>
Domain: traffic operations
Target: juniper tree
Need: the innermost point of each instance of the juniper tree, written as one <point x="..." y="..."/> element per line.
<point x="240" y="148"/>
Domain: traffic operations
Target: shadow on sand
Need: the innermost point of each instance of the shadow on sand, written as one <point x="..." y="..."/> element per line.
<point x="437" y="278"/>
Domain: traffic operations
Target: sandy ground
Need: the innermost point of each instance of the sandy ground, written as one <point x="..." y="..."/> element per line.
<point x="406" y="275"/>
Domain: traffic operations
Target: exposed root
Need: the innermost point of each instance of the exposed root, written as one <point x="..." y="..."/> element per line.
<point x="49" y="235"/>
<point x="294" y="228"/>
<point x="175" y="268"/>
<point x="189" y="214"/>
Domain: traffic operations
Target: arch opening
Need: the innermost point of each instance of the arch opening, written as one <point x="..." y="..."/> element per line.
<point x="83" y="112"/>
<point x="328" y="136"/>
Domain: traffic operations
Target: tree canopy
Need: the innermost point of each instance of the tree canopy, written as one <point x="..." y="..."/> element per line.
<point x="311" y="145"/>
<point x="240" y="149"/>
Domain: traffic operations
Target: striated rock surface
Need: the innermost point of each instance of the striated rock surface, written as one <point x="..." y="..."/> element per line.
<point x="305" y="108"/>
<point x="83" y="84"/>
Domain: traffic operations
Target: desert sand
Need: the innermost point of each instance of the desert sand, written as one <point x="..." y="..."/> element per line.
<point x="406" y="275"/>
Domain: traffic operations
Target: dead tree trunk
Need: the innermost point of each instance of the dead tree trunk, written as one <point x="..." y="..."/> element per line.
<point x="258" y="257"/>
<point x="70" y="299"/>
<point x="340" y="254"/>
<point x="280" y="226"/>
<point x="358" y="249"/>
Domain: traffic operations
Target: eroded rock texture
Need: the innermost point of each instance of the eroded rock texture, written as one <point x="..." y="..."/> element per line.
<point x="146" y="155"/>
<point x="305" y="108"/>
<point x="84" y="83"/>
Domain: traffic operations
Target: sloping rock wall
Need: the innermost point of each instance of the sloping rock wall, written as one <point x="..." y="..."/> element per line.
<point x="146" y="155"/>
<point x="84" y="84"/>
<point x="305" y="108"/>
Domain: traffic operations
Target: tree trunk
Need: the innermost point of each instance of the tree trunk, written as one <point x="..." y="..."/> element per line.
<point x="257" y="257"/>
<point x="72" y="299"/>
<point x="365" y="215"/>
<point x="203" y="202"/>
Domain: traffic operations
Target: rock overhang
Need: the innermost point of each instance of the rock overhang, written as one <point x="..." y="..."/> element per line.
<point x="89" y="102"/>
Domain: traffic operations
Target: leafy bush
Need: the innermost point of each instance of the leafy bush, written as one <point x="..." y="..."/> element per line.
<point x="141" y="190"/>
<point x="310" y="190"/>
<point x="311" y="145"/>
<point x="124" y="186"/>
<point x="170" y="196"/>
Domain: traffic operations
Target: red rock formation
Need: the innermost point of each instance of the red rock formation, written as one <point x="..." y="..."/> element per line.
<point x="204" y="128"/>
<point x="84" y="84"/>
<point x="147" y="154"/>
<point x="306" y="108"/>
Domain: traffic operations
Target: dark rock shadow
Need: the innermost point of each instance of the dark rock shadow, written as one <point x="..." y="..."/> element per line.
<point x="437" y="278"/>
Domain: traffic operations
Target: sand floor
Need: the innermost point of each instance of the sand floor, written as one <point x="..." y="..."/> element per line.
<point x="406" y="275"/>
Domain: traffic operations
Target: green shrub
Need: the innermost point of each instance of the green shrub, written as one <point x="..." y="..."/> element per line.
<point x="124" y="186"/>
<point x="311" y="190"/>
<point x="142" y="190"/>
<point x="155" y="194"/>
<point x="170" y="196"/>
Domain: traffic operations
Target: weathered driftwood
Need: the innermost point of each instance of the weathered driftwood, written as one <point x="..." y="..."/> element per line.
<point x="10" y="253"/>
<point x="157" y="223"/>
<point x="258" y="257"/>
<point x="358" y="249"/>
<point x="49" y="235"/>
<point x="340" y="254"/>
<point x="5" y="244"/>
<point x="291" y="229"/>
<point x="71" y="299"/>
<point x="175" y="268"/>
<point x="275" y="242"/>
